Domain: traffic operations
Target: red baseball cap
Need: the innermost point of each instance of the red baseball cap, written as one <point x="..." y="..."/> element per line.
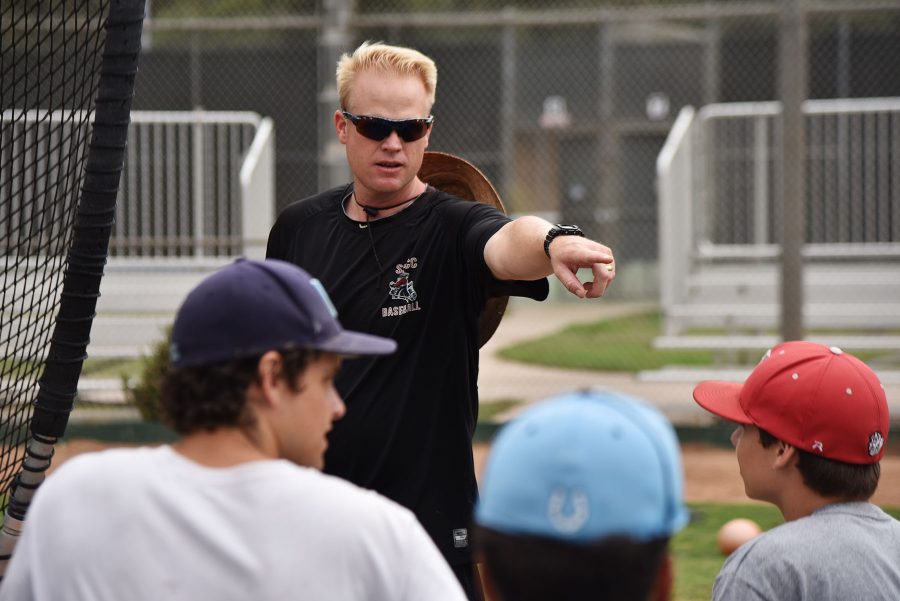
<point x="816" y="398"/>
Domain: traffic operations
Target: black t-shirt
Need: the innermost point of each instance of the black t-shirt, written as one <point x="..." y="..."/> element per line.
<point x="410" y="416"/>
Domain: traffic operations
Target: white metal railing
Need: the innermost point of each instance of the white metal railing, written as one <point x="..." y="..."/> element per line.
<point x="197" y="189"/>
<point x="718" y="191"/>
<point x="257" y="181"/>
<point x="41" y="169"/>
<point x="674" y="188"/>
<point x="852" y="172"/>
<point x="195" y="184"/>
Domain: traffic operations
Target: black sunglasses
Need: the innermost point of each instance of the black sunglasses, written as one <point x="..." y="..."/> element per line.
<point x="378" y="128"/>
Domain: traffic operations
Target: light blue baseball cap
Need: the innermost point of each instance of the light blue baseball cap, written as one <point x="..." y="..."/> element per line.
<point x="584" y="466"/>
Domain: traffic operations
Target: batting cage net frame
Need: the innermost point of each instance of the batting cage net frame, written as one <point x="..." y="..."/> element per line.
<point x="67" y="73"/>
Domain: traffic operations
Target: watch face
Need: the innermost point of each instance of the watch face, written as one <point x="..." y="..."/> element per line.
<point x="568" y="228"/>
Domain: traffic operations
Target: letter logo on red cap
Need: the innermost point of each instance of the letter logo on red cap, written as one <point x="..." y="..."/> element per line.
<point x="876" y="441"/>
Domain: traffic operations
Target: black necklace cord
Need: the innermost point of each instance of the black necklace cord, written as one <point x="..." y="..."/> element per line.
<point x="370" y="212"/>
<point x="372" y="240"/>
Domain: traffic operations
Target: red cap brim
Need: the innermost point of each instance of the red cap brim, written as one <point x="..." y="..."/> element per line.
<point x="722" y="399"/>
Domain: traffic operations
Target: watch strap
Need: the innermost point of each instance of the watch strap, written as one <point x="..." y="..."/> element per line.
<point x="560" y="230"/>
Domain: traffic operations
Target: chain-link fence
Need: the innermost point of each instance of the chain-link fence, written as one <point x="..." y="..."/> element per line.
<point x="567" y="105"/>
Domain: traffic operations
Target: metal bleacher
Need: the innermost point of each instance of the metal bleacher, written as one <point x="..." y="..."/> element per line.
<point x="718" y="211"/>
<point x="197" y="191"/>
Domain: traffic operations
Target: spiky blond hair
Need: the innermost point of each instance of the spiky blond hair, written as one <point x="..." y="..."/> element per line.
<point x="383" y="57"/>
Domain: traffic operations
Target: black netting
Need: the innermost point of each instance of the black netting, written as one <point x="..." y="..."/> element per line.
<point x="50" y="55"/>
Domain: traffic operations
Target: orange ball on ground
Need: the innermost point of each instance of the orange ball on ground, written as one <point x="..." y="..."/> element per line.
<point x="735" y="533"/>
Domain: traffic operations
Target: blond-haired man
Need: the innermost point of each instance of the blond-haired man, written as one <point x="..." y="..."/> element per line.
<point x="407" y="261"/>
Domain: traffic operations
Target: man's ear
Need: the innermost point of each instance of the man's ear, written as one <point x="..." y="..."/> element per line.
<point x="340" y="126"/>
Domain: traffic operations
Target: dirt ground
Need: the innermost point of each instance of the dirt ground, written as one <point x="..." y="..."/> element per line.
<point x="711" y="473"/>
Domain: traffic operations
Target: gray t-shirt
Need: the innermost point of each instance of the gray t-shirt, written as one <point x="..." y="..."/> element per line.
<point x="840" y="552"/>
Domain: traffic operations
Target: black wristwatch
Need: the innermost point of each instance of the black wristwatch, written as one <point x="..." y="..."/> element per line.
<point x="560" y="230"/>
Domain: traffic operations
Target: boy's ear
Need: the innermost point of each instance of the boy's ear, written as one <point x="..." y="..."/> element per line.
<point x="785" y="455"/>
<point x="268" y="372"/>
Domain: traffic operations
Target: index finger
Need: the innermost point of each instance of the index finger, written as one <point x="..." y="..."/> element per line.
<point x="591" y="257"/>
<point x="602" y="277"/>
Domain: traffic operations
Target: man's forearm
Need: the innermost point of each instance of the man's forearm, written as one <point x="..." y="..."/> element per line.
<point x="516" y="252"/>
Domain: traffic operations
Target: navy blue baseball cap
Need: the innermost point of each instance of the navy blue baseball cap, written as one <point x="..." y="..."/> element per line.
<point x="251" y="306"/>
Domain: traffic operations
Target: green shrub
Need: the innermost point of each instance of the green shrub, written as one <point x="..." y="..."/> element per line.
<point x="145" y="393"/>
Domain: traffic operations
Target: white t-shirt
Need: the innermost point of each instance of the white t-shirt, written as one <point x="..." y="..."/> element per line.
<point x="150" y="524"/>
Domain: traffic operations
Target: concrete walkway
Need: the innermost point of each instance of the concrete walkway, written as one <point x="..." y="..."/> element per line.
<point x="500" y="379"/>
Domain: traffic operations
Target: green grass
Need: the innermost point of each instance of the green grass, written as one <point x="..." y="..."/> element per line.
<point x="488" y="411"/>
<point x="18" y="368"/>
<point x="111" y="367"/>
<point x="622" y="344"/>
<point x="103" y="367"/>
<point x="626" y="344"/>
<point x="695" y="552"/>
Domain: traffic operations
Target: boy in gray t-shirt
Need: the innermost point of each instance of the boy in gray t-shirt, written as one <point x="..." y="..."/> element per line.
<point x="812" y="424"/>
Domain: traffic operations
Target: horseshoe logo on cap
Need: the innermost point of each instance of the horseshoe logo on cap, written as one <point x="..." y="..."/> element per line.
<point x="570" y="517"/>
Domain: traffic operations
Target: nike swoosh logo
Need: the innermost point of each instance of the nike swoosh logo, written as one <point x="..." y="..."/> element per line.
<point x="362" y="226"/>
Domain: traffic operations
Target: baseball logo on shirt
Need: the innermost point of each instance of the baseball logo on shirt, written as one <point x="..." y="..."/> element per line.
<point x="401" y="288"/>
